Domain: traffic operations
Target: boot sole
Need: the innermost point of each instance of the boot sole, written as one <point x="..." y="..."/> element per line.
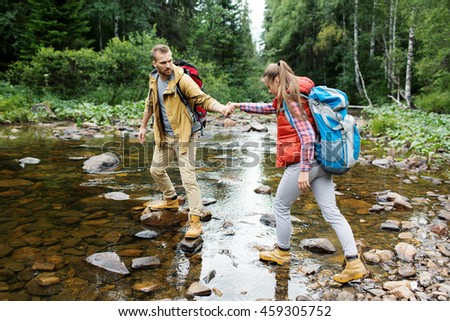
<point x="172" y="209"/>
<point x="271" y="260"/>
<point x="356" y="277"/>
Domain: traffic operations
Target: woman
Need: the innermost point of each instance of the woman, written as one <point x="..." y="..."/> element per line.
<point x="295" y="152"/>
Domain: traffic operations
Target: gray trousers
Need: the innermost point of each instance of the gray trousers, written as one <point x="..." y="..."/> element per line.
<point x="323" y="190"/>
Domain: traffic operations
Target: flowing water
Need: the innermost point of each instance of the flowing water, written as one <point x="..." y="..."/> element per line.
<point x="54" y="213"/>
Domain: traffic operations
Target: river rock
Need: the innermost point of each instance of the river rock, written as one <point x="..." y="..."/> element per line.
<point x="444" y="215"/>
<point x="405" y="251"/>
<point x="163" y="218"/>
<point x="383" y="163"/>
<point x="425" y="278"/>
<point x="117" y="196"/>
<point x="390" y="285"/>
<point x="263" y="189"/>
<point x="146" y="234"/>
<point x="209" y="276"/>
<point x="406" y="271"/>
<point x="5" y="250"/>
<point x="145" y="262"/>
<point x="198" y="289"/>
<point x="148" y="286"/>
<point x="17" y="182"/>
<point x="101" y="163"/>
<point x="191" y="246"/>
<point x="268" y="219"/>
<point x="402" y="293"/>
<point x="109" y="261"/>
<point x="34" y="288"/>
<point x="228" y="122"/>
<point x="371" y="258"/>
<point x="258" y="127"/>
<point x="318" y="245"/>
<point x="444" y="249"/>
<point x="391" y="225"/>
<point x="405" y="236"/>
<point x="43" y="266"/>
<point x="28" y="161"/>
<point x="401" y="204"/>
<point x="47" y="280"/>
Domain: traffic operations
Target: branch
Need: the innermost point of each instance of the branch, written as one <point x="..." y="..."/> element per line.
<point x="399" y="103"/>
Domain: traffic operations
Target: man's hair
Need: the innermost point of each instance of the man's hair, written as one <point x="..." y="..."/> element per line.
<point x="161" y="48"/>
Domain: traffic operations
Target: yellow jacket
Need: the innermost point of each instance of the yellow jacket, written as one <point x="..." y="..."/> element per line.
<point x="179" y="118"/>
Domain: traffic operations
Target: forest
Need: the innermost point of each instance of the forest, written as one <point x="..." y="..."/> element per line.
<point x="78" y="53"/>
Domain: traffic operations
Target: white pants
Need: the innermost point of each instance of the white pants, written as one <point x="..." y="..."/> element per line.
<point x="323" y="190"/>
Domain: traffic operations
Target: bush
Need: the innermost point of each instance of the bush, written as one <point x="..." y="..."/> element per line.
<point x="437" y="102"/>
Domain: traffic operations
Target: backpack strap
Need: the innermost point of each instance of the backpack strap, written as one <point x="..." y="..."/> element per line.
<point x="195" y="122"/>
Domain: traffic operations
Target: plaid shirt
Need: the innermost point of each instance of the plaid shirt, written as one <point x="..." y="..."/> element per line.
<point x="304" y="129"/>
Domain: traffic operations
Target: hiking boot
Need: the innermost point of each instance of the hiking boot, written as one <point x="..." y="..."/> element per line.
<point x="195" y="227"/>
<point x="354" y="270"/>
<point x="167" y="204"/>
<point x="276" y="255"/>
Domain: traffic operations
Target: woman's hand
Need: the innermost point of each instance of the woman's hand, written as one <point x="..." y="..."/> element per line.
<point x="303" y="181"/>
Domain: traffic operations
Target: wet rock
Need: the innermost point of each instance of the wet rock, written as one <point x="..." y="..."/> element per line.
<point x="101" y="163"/>
<point x="130" y="253"/>
<point x="34" y="288"/>
<point x="5" y="250"/>
<point x="217" y="292"/>
<point x="391" y="225"/>
<point x="345" y="296"/>
<point x="302" y="297"/>
<point x="390" y="285"/>
<point x="109" y="261"/>
<point x="425" y="278"/>
<point x="383" y="163"/>
<point x="310" y="269"/>
<point x="145" y="262"/>
<point x="191" y="246"/>
<point x="444" y="249"/>
<point x="47" y="280"/>
<point x="402" y="293"/>
<point x="371" y="257"/>
<point x="163" y="218"/>
<point x="17" y="182"/>
<point x="208" y="201"/>
<point x="444" y="215"/>
<point x="28" y="161"/>
<point x="376" y="208"/>
<point x="146" y="234"/>
<point x="405" y="236"/>
<point x="258" y="127"/>
<point x="228" y="122"/>
<point x="407" y="225"/>
<point x="6" y="274"/>
<point x="197" y="289"/>
<point x="263" y="189"/>
<point x="117" y="196"/>
<point x="406" y="271"/>
<point x="439" y="228"/>
<point x="4" y="287"/>
<point x="268" y="219"/>
<point x="405" y="251"/>
<point x="148" y="286"/>
<point x="401" y="204"/>
<point x="318" y="245"/>
<point x="209" y="276"/>
<point x="376" y="292"/>
<point x="43" y="266"/>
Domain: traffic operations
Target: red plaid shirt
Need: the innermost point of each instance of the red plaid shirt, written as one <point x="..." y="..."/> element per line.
<point x="304" y="129"/>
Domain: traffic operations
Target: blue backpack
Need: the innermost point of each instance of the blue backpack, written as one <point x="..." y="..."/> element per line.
<point x="338" y="144"/>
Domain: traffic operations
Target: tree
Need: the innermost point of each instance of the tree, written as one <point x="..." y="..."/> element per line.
<point x="57" y="24"/>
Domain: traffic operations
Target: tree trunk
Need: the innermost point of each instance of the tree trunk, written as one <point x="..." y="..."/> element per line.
<point x="355" y="50"/>
<point x="409" y="67"/>
<point x="372" y="31"/>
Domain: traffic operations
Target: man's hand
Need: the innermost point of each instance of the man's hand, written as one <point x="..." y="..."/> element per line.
<point x="226" y="110"/>
<point x="142" y="132"/>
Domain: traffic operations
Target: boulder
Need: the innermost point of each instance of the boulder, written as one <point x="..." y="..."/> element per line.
<point x="318" y="245"/>
<point x="101" y="163"/>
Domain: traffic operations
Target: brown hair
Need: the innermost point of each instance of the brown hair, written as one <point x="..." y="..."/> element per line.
<point x="161" y="48"/>
<point x="289" y="89"/>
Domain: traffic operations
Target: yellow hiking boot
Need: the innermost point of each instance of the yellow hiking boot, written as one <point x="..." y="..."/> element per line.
<point x="195" y="227"/>
<point x="276" y="255"/>
<point x="354" y="270"/>
<point x="167" y="204"/>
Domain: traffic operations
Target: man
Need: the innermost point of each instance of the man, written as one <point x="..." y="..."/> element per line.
<point x="173" y="133"/>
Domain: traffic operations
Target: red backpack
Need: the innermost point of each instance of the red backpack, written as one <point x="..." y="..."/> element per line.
<point x="199" y="113"/>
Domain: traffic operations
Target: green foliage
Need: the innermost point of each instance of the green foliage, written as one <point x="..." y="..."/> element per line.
<point x="436" y="102"/>
<point x="15" y="104"/>
<point x="417" y="130"/>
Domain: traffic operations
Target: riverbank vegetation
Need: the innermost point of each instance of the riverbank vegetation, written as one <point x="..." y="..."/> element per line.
<point x="89" y="60"/>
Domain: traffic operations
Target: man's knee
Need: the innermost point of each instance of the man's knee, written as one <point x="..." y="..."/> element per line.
<point x="156" y="171"/>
